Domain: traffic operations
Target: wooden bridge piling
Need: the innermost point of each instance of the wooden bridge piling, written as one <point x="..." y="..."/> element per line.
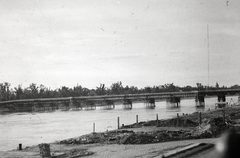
<point x="200" y="101"/>
<point x="173" y="101"/>
<point x="108" y="105"/>
<point x="89" y="105"/>
<point x="150" y="103"/>
<point x="127" y="104"/>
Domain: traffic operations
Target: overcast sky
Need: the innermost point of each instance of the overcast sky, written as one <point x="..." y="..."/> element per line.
<point x="139" y="42"/>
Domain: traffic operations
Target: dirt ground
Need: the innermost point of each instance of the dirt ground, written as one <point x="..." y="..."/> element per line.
<point x="108" y="150"/>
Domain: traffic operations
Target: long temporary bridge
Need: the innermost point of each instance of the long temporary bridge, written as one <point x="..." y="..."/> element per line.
<point x="66" y="103"/>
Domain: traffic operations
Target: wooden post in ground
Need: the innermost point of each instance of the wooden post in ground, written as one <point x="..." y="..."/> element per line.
<point x="156" y="119"/>
<point x="20" y="147"/>
<point x="136" y="119"/>
<point x="200" y="118"/>
<point x="93" y="127"/>
<point x="177" y="120"/>
<point x="118" y="122"/>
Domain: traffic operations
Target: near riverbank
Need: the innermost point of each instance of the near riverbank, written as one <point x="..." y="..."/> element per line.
<point x="159" y="135"/>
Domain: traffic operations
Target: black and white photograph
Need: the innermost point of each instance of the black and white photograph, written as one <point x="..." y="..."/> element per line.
<point x="119" y="78"/>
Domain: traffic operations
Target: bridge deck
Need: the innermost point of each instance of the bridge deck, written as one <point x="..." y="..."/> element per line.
<point x="142" y="96"/>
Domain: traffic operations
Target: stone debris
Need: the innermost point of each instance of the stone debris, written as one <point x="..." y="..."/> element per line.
<point x="104" y="137"/>
<point x="184" y="122"/>
<point x="210" y="127"/>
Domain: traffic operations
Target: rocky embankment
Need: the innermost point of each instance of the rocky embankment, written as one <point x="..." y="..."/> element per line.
<point x="213" y="123"/>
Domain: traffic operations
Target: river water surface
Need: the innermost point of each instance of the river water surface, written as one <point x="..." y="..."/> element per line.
<point x="35" y="128"/>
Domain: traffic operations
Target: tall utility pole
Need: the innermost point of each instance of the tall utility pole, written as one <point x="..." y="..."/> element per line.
<point x="208" y="53"/>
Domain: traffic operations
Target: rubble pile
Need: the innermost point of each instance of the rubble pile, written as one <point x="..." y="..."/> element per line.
<point x="210" y="128"/>
<point x="212" y="125"/>
<point x="103" y="137"/>
<point x="184" y="122"/>
<point x="153" y="137"/>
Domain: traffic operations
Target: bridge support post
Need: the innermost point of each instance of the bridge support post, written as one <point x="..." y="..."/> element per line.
<point x="38" y="107"/>
<point x="53" y="106"/>
<point x="200" y="101"/>
<point x="221" y="98"/>
<point x="108" y="105"/>
<point x="89" y="105"/>
<point x="150" y="103"/>
<point x="64" y="106"/>
<point x="127" y="104"/>
<point x="221" y="101"/>
<point x="74" y="105"/>
<point x="47" y="107"/>
<point x="173" y="102"/>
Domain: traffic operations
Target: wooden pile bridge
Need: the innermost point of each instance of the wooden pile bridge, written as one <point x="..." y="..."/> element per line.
<point x="109" y="101"/>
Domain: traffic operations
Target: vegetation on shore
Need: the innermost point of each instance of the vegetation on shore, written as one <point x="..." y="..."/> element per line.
<point x="41" y="91"/>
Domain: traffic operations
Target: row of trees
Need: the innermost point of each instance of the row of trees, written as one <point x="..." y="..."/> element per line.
<point x="41" y="91"/>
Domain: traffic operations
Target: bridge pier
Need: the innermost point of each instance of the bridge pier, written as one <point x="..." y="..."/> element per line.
<point x="108" y="105"/>
<point x="127" y="104"/>
<point x="89" y="105"/>
<point x="221" y="98"/>
<point x="200" y="101"/>
<point x="74" y="105"/>
<point x="38" y="107"/>
<point x="8" y="108"/>
<point x="221" y="101"/>
<point x="150" y="103"/>
<point x="47" y="107"/>
<point x="64" y="106"/>
<point x="173" y="102"/>
<point x="52" y="106"/>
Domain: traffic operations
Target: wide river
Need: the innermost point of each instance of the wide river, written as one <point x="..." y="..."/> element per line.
<point x="35" y="128"/>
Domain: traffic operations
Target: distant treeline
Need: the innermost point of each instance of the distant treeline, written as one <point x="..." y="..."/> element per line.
<point x="41" y="91"/>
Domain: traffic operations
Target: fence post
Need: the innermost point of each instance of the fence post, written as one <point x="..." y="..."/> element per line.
<point x="136" y="119"/>
<point x="20" y="147"/>
<point x="118" y="122"/>
<point x="93" y="127"/>
<point x="157" y="119"/>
